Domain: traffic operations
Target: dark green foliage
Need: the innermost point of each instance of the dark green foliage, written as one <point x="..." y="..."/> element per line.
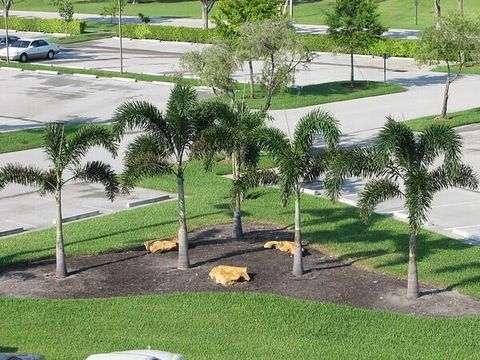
<point x="74" y="27"/>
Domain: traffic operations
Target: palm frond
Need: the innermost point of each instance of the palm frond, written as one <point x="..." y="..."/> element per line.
<point x="272" y="140"/>
<point x="23" y="175"/>
<point x="252" y="179"/>
<point x="213" y="140"/>
<point x="139" y="115"/>
<point x="375" y="192"/>
<point x="316" y="122"/>
<point x="396" y="139"/>
<point x="463" y="176"/>
<point x="99" y="172"/>
<point x="419" y="193"/>
<point x="81" y="141"/>
<point x="439" y="140"/>
<point x="145" y="156"/>
<point x="54" y="143"/>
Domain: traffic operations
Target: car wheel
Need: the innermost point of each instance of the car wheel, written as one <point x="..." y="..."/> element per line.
<point x="50" y="55"/>
<point x="23" y="58"/>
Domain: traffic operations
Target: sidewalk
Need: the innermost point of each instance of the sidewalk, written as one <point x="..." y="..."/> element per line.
<point x="198" y="23"/>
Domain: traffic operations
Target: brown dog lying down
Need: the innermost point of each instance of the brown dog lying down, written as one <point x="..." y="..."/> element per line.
<point x="228" y="275"/>
<point x="285" y="246"/>
<point x="160" y="246"/>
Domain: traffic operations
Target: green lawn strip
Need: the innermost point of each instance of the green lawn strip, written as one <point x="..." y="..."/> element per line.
<point x="100" y="73"/>
<point x="321" y="93"/>
<point x="81" y="38"/>
<point x="456" y="119"/>
<point x="473" y="69"/>
<point x="393" y="13"/>
<point x="380" y="245"/>
<point x="230" y="326"/>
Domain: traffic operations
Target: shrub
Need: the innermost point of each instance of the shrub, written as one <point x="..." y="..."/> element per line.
<point x="391" y="47"/>
<point x="75" y="27"/>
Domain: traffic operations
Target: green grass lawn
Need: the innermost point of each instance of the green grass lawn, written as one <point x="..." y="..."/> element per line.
<point x="394" y="13"/>
<point x="233" y="326"/>
<point x="323" y="93"/>
<point x="460" y="118"/>
<point x="237" y="325"/>
<point x="470" y="69"/>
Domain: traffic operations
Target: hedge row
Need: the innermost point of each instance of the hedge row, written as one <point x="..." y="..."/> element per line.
<point x="74" y="27"/>
<point x="391" y="47"/>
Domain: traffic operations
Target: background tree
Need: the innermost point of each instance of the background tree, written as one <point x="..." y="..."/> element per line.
<point x="113" y="8"/>
<point x="65" y="11"/>
<point x="235" y="133"/>
<point x="280" y="49"/>
<point x="65" y="154"/>
<point x="354" y="24"/>
<point x="296" y="162"/>
<point x="207" y="6"/>
<point x="454" y="43"/>
<point x="215" y="65"/>
<point x="232" y="14"/>
<point x="162" y="149"/>
<point x="6" y="5"/>
<point x="403" y="165"/>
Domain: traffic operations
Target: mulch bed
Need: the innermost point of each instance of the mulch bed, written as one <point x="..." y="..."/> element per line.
<point x="135" y="272"/>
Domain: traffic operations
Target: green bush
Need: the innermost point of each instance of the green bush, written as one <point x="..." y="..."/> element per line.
<point x="169" y="33"/>
<point x="391" y="47"/>
<point x="74" y="27"/>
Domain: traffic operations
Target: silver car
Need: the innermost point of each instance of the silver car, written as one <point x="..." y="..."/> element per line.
<point x="3" y="40"/>
<point x="27" y="49"/>
<point x="5" y="356"/>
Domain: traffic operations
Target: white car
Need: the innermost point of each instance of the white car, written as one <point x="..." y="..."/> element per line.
<point x="12" y="356"/>
<point x="137" y="355"/>
<point x="26" y="49"/>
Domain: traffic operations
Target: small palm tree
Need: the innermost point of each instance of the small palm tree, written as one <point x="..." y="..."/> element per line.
<point x="66" y="153"/>
<point x="235" y="134"/>
<point x="297" y="163"/>
<point x="163" y="149"/>
<point x="404" y="165"/>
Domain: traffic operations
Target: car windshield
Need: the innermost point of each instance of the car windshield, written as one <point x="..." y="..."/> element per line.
<point x="21" y="44"/>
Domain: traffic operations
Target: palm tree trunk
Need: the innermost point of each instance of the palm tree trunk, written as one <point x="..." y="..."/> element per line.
<point x="61" y="266"/>
<point x="237" y="211"/>
<point x="183" y="260"/>
<point x="252" y="81"/>
<point x="352" y="70"/>
<point x="297" y="256"/>
<point x="412" y="282"/>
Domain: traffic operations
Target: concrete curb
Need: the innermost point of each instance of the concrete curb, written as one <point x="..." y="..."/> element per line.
<point x="11" y="231"/>
<point x="11" y="69"/>
<point x="88" y="76"/>
<point x="80" y="216"/>
<point x="124" y="79"/>
<point x="148" y="201"/>
<point x="48" y="72"/>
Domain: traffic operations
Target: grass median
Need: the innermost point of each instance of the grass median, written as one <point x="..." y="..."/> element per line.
<point x="455" y="119"/>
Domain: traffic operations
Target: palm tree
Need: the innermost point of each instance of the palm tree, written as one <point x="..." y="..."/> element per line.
<point x="66" y="153"/>
<point x="409" y="166"/>
<point x="235" y="134"/>
<point x="163" y="149"/>
<point x="296" y="162"/>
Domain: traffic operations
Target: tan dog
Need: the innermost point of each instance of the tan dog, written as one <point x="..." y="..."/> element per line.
<point x="228" y="275"/>
<point x="285" y="246"/>
<point x="160" y="246"/>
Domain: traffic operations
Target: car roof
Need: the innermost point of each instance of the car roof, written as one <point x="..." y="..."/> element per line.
<point x="23" y="39"/>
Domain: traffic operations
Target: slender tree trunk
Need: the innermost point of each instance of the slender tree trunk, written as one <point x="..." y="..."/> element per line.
<point x="297" y="256"/>
<point x="237" y="211"/>
<point x="270" y="87"/>
<point x="61" y="266"/>
<point x="438" y="12"/>
<point x="183" y="260"/>
<point x="412" y="282"/>
<point x="352" y="70"/>
<point x="461" y="5"/>
<point x="252" y="81"/>
<point x="445" y="97"/>
<point x="205" y="15"/>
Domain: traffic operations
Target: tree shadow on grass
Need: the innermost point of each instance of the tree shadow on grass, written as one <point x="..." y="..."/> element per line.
<point x="8" y="349"/>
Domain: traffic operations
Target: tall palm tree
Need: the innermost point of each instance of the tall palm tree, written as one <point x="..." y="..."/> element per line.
<point x="66" y="154"/>
<point x="297" y="163"/>
<point x="163" y="149"/>
<point x="235" y="134"/>
<point x="404" y="165"/>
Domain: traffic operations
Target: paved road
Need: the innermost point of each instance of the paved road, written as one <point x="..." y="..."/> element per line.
<point x="198" y="23"/>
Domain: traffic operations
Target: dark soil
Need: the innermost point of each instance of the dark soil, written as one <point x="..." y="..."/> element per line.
<point x="135" y="272"/>
<point x="354" y="87"/>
